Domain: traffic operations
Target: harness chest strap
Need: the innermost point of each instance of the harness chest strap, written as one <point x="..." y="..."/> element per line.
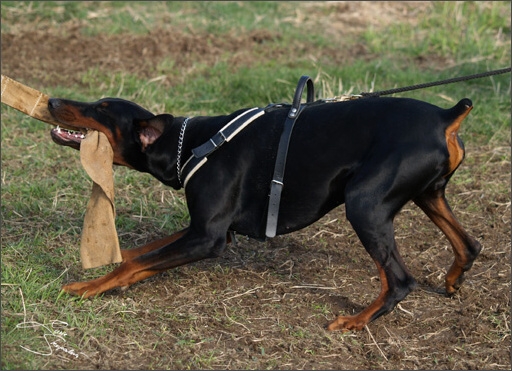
<point x="228" y="132"/>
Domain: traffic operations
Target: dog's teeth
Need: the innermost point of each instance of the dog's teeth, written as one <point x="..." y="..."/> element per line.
<point x="58" y="129"/>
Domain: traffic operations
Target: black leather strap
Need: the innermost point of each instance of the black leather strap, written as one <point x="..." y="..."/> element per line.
<point x="277" y="184"/>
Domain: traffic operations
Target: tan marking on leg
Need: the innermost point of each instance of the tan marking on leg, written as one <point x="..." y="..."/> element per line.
<point x="358" y="321"/>
<point x="465" y="247"/>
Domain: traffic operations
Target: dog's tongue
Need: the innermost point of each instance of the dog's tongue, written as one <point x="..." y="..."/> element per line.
<point x="99" y="244"/>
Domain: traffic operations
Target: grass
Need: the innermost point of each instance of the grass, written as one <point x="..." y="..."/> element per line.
<point x="44" y="189"/>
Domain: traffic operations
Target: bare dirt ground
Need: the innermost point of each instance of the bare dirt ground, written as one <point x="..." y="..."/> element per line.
<point x="289" y="287"/>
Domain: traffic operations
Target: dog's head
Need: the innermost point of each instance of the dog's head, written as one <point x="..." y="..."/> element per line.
<point x="129" y="128"/>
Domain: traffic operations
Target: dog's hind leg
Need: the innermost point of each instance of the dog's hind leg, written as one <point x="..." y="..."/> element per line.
<point x="465" y="248"/>
<point x="377" y="237"/>
<point x="371" y="204"/>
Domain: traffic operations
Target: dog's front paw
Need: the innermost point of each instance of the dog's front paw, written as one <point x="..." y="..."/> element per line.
<point x="83" y="289"/>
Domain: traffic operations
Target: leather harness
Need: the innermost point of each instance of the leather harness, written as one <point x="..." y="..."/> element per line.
<point x="232" y="128"/>
<point x="277" y="184"/>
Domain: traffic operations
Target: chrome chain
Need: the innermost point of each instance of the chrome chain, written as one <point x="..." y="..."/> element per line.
<point x="180" y="146"/>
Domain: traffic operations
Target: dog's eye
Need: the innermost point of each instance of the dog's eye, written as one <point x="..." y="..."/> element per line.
<point x="102" y="107"/>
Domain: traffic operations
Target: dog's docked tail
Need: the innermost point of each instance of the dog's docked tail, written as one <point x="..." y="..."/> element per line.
<point x="453" y="117"/>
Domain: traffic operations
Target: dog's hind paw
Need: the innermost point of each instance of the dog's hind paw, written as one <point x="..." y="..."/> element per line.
<point x="453" y="285"/>
<point x="347" y="323"/>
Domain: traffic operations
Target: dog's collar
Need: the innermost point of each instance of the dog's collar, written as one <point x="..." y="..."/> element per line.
<point x="180" y="147"/>
<point x="200" y="154"/>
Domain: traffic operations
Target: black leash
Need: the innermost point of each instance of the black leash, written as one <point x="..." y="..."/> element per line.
<point x="441" y="82"/>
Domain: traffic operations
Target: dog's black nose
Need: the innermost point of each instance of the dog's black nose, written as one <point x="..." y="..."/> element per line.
<point x="53" y="103"/>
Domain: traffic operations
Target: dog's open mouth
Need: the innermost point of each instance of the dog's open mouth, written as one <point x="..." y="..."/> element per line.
<point x="66" y="137"/>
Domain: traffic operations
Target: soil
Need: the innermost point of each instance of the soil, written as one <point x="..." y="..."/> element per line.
<point x="288" y="288"/>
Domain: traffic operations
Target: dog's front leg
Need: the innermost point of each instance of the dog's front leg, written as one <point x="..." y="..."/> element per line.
<point x="180" y="248"/>
<point x="129" y="254"/>
<point x="123" y="276"/>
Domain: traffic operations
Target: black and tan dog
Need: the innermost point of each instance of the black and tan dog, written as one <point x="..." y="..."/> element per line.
<point x="373" y="154"/>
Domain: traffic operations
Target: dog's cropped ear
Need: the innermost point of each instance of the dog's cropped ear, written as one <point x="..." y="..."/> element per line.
<point x="150" y="130"/>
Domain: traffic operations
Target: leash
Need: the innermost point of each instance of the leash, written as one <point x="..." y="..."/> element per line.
<point x="436" y="83"/>
<point x="276" y="186"/>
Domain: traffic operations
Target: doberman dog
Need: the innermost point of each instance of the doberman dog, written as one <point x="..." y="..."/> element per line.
<point x="373" y="154"/>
